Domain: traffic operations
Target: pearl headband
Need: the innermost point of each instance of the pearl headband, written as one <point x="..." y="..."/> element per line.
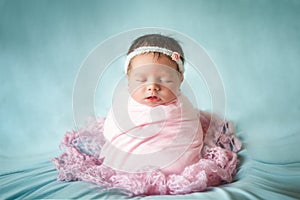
<point x="146" y="49"/>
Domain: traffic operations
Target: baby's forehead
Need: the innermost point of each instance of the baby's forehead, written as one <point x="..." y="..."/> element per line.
<point x="151" y="69"/>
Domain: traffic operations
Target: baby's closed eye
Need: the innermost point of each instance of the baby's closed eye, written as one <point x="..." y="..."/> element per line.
<point x="140" y="80"/>
<point x="167" y="81"/>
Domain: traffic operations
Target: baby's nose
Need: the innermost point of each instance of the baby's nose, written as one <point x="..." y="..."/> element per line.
<point x="153" y="87"/>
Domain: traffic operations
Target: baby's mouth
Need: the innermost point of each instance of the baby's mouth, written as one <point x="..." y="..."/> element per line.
<point x="153" y="98"/>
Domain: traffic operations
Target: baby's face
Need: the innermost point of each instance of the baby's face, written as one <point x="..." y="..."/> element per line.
<point x="153" y="80"/>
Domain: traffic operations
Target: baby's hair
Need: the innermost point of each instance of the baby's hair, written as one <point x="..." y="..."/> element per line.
<point x="157" y="40"/>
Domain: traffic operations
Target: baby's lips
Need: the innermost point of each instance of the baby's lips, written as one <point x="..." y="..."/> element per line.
<point x="153" y="98"/>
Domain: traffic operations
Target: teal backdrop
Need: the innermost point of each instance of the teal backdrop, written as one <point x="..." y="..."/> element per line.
<point x="254" y="44"/>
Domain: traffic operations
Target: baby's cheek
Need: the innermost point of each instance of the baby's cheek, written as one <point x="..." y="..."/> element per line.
<point x="136" y="91"/>
<point x="174" y="88"/>
<point x="133" y="87"/>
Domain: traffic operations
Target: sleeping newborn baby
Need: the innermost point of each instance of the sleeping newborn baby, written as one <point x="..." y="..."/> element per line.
<point x="163" y="130"/>
<point x="153" y="141"/>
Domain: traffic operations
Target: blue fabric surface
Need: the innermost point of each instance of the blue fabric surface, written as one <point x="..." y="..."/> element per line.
<point x="254" y="44"/>
<point x="255" y="180"/>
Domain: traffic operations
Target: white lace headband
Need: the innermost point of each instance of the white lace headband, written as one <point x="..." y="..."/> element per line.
<point x="146" y="49"/>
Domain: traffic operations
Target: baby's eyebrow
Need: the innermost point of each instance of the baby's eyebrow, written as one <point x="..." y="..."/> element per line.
<point x="161" y="74"/>
<point x="164" y="75"/>
<point x="139" y="74"/>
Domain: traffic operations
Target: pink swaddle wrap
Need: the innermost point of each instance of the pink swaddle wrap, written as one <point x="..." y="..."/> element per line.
<point x="166" y="137"/>
<point x="109" y="157"/>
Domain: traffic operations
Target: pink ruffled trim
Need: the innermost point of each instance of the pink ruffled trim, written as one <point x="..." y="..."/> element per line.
<point x="80" y="162"/>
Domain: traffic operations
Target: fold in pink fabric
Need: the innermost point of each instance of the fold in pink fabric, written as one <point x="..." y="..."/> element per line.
<point x="106" y="151"/>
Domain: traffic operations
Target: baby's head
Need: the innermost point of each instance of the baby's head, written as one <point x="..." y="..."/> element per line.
<point x="154" y="68"/>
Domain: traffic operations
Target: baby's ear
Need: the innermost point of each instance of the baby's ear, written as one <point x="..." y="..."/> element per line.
<point x="181" y="77"/>
<point x="128" y="75"/>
